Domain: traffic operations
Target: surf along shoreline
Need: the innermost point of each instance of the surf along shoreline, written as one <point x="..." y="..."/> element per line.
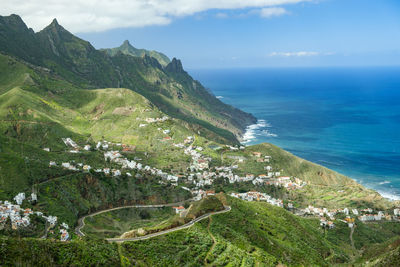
<point x="250" y="136"/>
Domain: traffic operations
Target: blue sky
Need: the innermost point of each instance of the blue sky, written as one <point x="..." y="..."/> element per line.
<point x="233" y="33"/>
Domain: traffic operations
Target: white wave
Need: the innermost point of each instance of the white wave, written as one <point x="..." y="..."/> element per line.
<point x="268" y="133"/>
<point x="388" y="195"/>
<point x="384" y="182"/>
<point x="219" y="96"/>
<point x="253" y="130"/>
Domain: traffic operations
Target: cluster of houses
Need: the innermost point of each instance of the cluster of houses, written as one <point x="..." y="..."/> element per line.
<point x="363" y="215"/>
<point x="368" y="216"/>
<point x="326" y="216"/>
<point x="152" y="120"/>
<point x="20" y="217"/>
<point x="257" y="196"/>
<point x="201" y="175"/>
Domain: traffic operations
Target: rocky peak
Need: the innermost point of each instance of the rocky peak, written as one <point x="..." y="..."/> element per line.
<point x="175" y="66"/>
<point x="126" y="43"/>
<point x="54" y="27"/>
<point x="13" y="21"/>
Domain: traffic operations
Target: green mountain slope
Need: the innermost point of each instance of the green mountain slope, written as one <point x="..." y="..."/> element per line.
<point x="128" y="49"/>
<point x="170" y="88"/>
<point x="251" y="234"/>
<point x="49" y="91"/>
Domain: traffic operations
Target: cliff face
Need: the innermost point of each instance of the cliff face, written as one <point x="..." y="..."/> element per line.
<point x="167" y="85"/>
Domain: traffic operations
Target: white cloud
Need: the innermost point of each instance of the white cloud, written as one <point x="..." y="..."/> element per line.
<point x="100" y="15"/>
<point x="221" y="15"/>
<point x="272" y="12"/>
<point x="294" y="54"/>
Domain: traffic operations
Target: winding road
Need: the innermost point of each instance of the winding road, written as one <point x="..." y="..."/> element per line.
<point x="187" y="225"/>
<point x="81" y="221"/>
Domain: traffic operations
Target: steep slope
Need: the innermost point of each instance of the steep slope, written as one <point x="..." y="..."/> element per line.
<point x="251" y="234"/>
<point x="128" y="49"/>
<point x="385" y="254"/>
<point x="171" y="89"/>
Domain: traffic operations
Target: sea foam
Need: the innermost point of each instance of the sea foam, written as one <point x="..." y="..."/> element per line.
<point x="257" y="129"/>
<point x="388" y="195"/>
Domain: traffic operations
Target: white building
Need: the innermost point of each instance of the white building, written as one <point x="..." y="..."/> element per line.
<point x="52" y="220"/>
<point x="19" y="198"/>
<point x="33" y="197"/>
<point x="69" y="142"/>
<point x="396" y="212"/>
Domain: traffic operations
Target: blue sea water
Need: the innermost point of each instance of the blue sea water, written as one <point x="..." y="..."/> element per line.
<point x="347" y="119"/>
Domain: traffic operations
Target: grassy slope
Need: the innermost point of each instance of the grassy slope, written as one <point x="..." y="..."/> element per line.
<point x="58" y="109"/>
<point x="34" y="117"/>
<point x="325" y="187"/>
<point x="383" y="254"/>
<point x="81" y="64"/>
<point x="252" y="233"/>
<point x="36" y="252"/>
<point x="115" y="223"/>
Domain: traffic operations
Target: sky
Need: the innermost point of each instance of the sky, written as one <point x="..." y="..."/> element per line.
<point x="233" y="33"/>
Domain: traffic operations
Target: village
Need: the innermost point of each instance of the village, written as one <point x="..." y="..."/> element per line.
<point x="20" y="217"/>
<point x="199" y="175"/>
<point x="365" y="215"/>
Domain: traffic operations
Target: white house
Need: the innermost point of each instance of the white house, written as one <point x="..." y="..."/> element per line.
<point x="66" y="165"/>
<point x="116" y="172"/>
<point x="69" y="142"/>
<point x="33" y="197"/>
<point x="396" y="212"/>
<point x="19" y="198"/>
<point x="178" y="209"/>
<point x="52" y="220"/>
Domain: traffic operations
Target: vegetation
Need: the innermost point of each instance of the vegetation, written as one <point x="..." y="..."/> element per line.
<point x="36" y="252"/>
<point x="196" y="209"/>
<point x="48" y="91"/>
<point x="117" y="222"/>
<point x="171" y="89"/>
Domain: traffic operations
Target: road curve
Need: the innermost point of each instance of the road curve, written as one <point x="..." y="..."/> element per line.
<point x="187" y="225"/>
<point x="81" y="221"/>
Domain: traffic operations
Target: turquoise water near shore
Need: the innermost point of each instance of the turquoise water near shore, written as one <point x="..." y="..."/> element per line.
<point x="347" y="119"/>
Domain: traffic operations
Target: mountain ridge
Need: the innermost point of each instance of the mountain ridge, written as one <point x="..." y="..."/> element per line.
<point x="128" y="49"/>
<point x="48" y="94"/>
<point x="77" y="61"/>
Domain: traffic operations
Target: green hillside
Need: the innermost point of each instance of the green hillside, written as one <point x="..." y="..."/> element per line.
<point x="54" y="85"/>
<point x="170" y="88"/>
<point x="250" y="234"/>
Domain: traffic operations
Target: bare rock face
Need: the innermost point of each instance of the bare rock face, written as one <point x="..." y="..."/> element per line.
<point x="175" y="66"/>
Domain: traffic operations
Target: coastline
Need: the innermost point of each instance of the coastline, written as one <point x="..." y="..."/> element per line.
<point x="250" y="136"/>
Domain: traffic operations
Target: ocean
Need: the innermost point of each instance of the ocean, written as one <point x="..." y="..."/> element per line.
<point x="346" y="119"/>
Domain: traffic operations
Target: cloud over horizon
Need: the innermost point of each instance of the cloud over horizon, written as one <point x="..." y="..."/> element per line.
<point x="272" y="12"/>
<point x="296" y="54"/>
<point x="101" y="15"/>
